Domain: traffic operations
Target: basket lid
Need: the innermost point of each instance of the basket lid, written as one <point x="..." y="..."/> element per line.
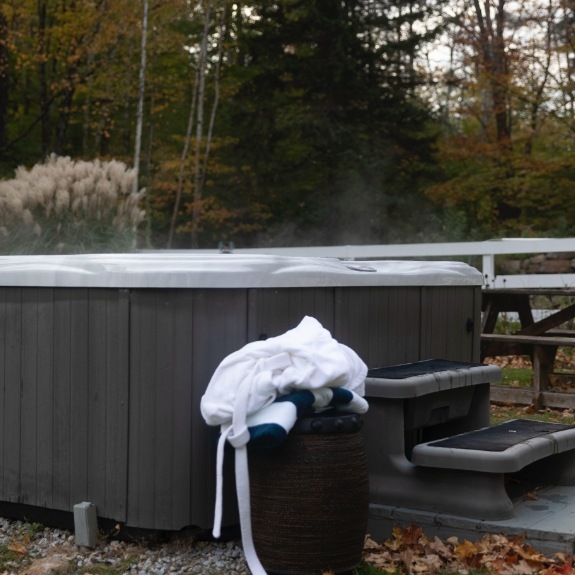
<point x="328" y="422"/>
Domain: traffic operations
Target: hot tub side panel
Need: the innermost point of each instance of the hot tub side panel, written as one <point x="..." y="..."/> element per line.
<point x="64" y="400"/>
<point x="450" y="322"/>
<point x="393" y="325"/>
<point x="385" y="325"/>
<point x="101" y="387"/>
<point x="178" y="338"/>
<point x="380" y="323"/>
<point x="274" y="311"/>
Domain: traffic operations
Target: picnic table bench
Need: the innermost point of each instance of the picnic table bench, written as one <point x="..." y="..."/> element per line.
<point x="539" y="340"/>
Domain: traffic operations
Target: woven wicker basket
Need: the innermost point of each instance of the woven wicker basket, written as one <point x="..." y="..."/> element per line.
<point x="310" y="498"/>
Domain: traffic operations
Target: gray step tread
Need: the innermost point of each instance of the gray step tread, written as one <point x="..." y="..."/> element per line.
<point x="427" y="378"/>
<point x="480" y="450"/>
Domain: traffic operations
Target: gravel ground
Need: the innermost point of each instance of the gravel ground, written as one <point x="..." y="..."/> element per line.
<point x="30" y="549"/>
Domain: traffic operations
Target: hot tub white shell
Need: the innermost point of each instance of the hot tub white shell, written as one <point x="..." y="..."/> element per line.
<point x="171" y="270"/>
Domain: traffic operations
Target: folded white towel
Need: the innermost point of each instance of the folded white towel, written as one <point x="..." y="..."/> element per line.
<point x="247" y="383"/>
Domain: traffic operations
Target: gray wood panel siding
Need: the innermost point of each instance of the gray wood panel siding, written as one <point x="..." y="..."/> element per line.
<point x="384" y="325"/>
<point x="151" y="425"/>
<point x="444" y="315"/>
<point x="380" y="323"/>
<point x="10" y="316"/>
<point x="219" y="328"/>
<point x="392" y="325"/>
<point x="108" y="399"/>
<point x="64" y="398"/>
<point x="274" y="311"/>
<point x="44" y="427"/>
<point x="179" y="337"/>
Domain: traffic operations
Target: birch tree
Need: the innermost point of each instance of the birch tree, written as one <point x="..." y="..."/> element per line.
<point x="141" y="94"/>
<point x="4" y="79"/>
<point x="209" y="53"/>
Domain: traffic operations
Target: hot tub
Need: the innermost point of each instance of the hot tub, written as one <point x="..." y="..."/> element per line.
<point x="105" y="359"/>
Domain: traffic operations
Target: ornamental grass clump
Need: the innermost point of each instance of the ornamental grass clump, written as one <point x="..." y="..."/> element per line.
<point x="65" y="206"/>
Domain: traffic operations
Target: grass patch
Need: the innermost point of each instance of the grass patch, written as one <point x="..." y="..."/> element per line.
<point x="501" y="413"/>
<point x="367" y="569"/>
<point x="118" y="569"/>
<point x="13" y="553"/>
<point x="9" y="558"/>
<point x="505" y="412"/>
<point x="517" y="377"/>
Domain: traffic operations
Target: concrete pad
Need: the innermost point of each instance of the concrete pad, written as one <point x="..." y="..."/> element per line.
<point x="547" y="522"/>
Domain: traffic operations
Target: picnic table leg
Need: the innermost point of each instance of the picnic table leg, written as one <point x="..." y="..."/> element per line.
<point x="490" y="315"/>
<point x="543" y="360"/>
<point x="491" y="310"/>
<point x="524" y="312"/>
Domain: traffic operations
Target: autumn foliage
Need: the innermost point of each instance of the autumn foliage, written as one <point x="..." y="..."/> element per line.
<point x="410" y="551"/>
<point x="300" y="123"/>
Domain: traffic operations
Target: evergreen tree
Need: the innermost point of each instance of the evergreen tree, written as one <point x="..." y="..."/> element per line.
<point x="328" y="134"/>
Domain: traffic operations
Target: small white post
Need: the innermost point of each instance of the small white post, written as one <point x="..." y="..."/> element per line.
<point x="489" y="269"/>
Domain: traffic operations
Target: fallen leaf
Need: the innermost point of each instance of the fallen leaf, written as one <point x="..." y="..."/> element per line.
<point x="465" y="550"/>
<point x="410" y="551"/>
<point x="440" y="548"/>
<point x="407" y="559"/>
<point x="523" y="568"/>
<point x="565" y="569"/>
<point x="412" y="534"/>
<point x="370" y="544"/>
<point x="18" y="548"/>
<point x="532" y="495"/>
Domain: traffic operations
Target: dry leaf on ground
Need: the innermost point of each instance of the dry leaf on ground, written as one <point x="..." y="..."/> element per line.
<point x="411" y="551"/>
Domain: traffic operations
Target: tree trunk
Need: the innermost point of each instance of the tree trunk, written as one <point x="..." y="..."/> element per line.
<point x="202" y="68"/>
<point x="141" y="94"/>
<point x="64" y="112"/>
<point x="494" y="59"/>
<point x="220" y="57"/>
<point x="45" y="100"/>
<point x="4" y="81"/>
<point x="183" y="157"/>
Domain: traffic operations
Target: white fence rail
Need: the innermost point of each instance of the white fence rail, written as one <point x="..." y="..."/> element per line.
<point x="487" y="250"/>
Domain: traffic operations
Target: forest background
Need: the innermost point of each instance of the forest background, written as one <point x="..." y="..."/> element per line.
<point x="303" y="122"/>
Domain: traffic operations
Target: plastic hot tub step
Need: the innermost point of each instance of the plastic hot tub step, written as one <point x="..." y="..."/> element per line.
<point x="505" y="448"/>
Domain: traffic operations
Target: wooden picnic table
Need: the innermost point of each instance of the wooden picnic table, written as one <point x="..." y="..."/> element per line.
<point x="540" y="340"/>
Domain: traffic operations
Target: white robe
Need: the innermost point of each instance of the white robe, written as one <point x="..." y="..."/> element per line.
<point x="250" y="379"/>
